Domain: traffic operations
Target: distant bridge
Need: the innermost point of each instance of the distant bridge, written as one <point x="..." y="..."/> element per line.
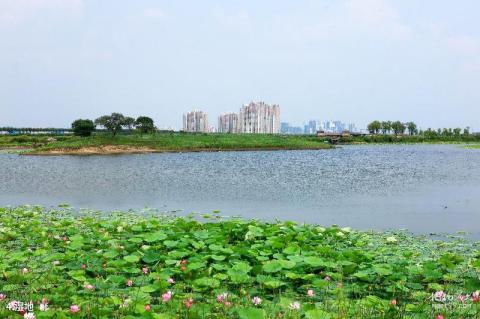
<point x="334" y="138"/>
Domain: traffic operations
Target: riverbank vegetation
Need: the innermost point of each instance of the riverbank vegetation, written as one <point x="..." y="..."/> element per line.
<point x="119" y="134"/>
<point x="394" y="131"/>
<point x="410" y="139"/>
<point x="168" y="142"/>
<point x="147" y="265"/>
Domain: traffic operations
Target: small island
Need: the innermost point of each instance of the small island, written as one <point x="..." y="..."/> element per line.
<point x="119" y="134"/>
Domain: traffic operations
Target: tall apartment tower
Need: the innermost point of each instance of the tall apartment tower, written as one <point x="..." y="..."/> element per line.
<point x="228" y="123"/>
<point x="195" y="121"/>
<point x="259" y="117"/>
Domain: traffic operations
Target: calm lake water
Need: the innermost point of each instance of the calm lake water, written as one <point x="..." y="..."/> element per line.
<point x="424" y="188"/>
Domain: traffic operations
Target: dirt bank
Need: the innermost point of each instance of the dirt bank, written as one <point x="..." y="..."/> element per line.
<point x="125" y="149"/>
<point x="97" y="150"/>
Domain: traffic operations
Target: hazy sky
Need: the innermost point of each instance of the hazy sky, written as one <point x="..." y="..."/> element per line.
<point x="353" y="60"/>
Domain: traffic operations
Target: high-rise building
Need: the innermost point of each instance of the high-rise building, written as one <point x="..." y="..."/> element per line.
<point x="228" y="123"/>
<point x="284" y="128"/>
<point x="312" y="126"/>
<point x="352" y="128"/>
<point x="289" y="129"/>
<point x="259" y="117"/>
<point x="195" y="121"/>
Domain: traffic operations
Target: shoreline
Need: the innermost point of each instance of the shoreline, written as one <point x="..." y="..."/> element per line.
<point x="125" y="149"/>
<point x="120" y="150"/>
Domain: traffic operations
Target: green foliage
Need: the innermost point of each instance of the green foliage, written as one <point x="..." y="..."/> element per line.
<point x="114" y="122"/>
<point x="278" y="263"/>
<point x="251" y="313"/>
<point x="191" y="142"/>
<point x="83" y="127"/>
<point x="374" y="127"/>
<point x="398" y="127"/>
<point x="412" y="128"/>
<point x="144" y="124"/>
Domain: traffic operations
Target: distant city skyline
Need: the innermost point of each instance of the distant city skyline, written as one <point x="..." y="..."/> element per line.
<point x="353" y="60"/>
<point x="314" y="126"/>
<point x="254" y="117"/>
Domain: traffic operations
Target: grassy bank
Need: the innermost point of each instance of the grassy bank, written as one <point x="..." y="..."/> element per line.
<point x="173" y="142"/>
<point x="409" y="139"/>
<point x="130" y="266"/>
<point x="103" y="143"/>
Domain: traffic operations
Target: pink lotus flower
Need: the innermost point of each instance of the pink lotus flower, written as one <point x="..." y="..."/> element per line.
<point x="74" y="308"/>
<point x="89" y="287"/>
<point x="24" y="271"/>
<point x="310" y="293"/>
<point x="222" y="297"/>
<point x="462" y="298"/>
<point x="3" y="297"/>
<point x="476" y="296"/>
<point x="183" y="268"/>
<point x="147" y="308"/>
<point x="183" y="262"/>
<point x="145" y="270"/>
<point x="84" y="266"/>
<point x="256" y="301"/>
<point x="393" y="302"/>
<point x="171" y="280"/>
<point x="439" y="317"/>
<point x="167" y="296"/>
<point x="327" y="278"/>
<point x="227" y="304"/>
<point x="188" y="303"/>
<point x="129" y="282"/>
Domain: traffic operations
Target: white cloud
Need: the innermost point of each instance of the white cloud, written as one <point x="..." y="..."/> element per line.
<point x="371" y="11"/>
<point x="467" y="50"/>
<point x="154" y="13"/>
<point x="240" y="20"/>
<point x="377" y="15"/>
<point x="464" y="44"/>
<point x="346" y="19"/>
<point x="14" y="12"/>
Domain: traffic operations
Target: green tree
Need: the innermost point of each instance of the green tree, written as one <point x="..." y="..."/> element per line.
<point x="412" y="128"/>
<point x="386" y="127"/>
<point x="144" y="124"/>
<point x="374" y="127"/>
<point x="457" y="132"/>
<point x="447" y="132"/>
<point x="82" y="127"/>
<point x="398" y="127"/>
<point x="129" y="122"/>
<point x="466" y="131"/>
<point x="113" y="122"/>
<point x="430" y="134"/>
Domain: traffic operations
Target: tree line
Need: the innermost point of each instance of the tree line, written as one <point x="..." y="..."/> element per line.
<point x="399" y="128"/>
<point x="113" y="123"/>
